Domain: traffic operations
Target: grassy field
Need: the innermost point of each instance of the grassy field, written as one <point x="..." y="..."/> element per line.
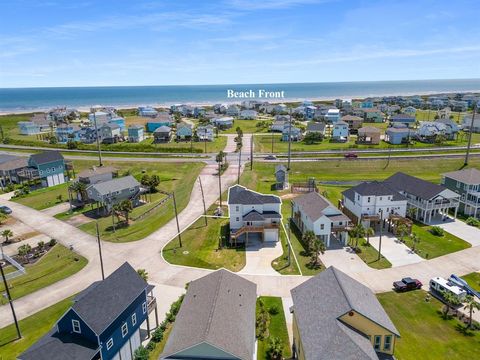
<point x="370" y="256"/>
<point x="178" y="177"/>
<point x="277" y="328"/>
<point x="58" y="264"/>
<point x="200" y="247"/>
<point x="424" y="333"/>
<point x="32" y="328"/>
<point x="432" y="246"/>
<point x="247" y="126"/>
<point x="473" y="280"/>
<point x="44" y="198"/>
<point x="281" y="264"/>
<point x="155" y="354"/>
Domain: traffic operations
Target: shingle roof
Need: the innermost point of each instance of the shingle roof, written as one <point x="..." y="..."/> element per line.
<point x="403" y="118"/>
<point x="238" y="194"/>
<point x="117" y="184"/>
<point x="312" y="204"/>
<point x="253" y="216"/>
<point x="467" y="176"/>
<point x="60" y="346"/>
<point x="280" y="167"/>
<point x="369" y="130"/>
<point x="373" y="188"/>
<point x="97" y="171"/>
<point x="415" y="186"/>
<point x="46" y="157"/>
<point x="109" y="298"/>
<point x="14" y="163"/>
<point x="351" y="118"/>
<point x="312" y="126"/>
<point x="218" y="309"/>
<point x="320" y="301"/>
<point x="163" y="129"/>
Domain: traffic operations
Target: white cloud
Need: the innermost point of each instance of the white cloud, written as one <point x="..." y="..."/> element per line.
<point x="250" y="5"/>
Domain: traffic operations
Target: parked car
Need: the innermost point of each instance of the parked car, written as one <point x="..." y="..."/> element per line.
<point x="5" y="210"/>
<point x="407" y="284"/>
<point x="270" y="157"/>
<point x="350" y="155"/>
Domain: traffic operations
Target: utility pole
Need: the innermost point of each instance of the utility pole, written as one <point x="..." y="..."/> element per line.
<point x="100" y="250"/>
<point x="381" y="232"/>
<point x="289" y="140"/>
<point x="220" y="179"/>
<point x="467" y="155"/>
<point x="203" y="199"/>
<point x="176" y="218"/>
<point x="98" y="140"/>
<point x="272" y="141"/>
<point x="11" y="302"/>
<point x="288" y="242"/>
<point x="239" y="162"/>
<point x="251" y="153"/>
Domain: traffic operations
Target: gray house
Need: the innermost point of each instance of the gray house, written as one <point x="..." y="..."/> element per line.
<point x="466" y="183"/>
<point x="281" y="176"/>
<point x="162" y="134"/>
<point x="111" y="192"/>
<point x="216" y="320"/>
<point x="97" y="174"/>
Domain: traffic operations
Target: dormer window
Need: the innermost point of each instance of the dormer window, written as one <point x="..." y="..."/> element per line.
<point x="76" y="326"/>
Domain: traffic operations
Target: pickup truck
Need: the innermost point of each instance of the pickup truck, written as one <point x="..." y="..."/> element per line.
<point x="407" y="284"/>
<point x="350" y="155"/>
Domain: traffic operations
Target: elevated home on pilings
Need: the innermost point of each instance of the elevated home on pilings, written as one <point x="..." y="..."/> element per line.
<point x="253" y="216"/>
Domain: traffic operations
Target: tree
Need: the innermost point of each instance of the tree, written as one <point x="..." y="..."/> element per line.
<point x="126" y="208"/>
<point x="24" y="250"/>
<point x="141" y="354"/>
<point x="357" y="232"/>
<point x="312" y="138"/>
<point x="41" y="245"/>
<point x="154" y="182"/>
<point x="415" y="241"/>
<point x="318" y="248"/>
<point x="471" y="306"/>
<point x="402" y="231"/>
<point x="411" y="212"/>
<point x="275" y="348"/>
<point x="143" y="274"/>
<point x="308" y="238"/>
<point x="450" y="302"/>
<point x="263" y="320"/>
<point x="7" y="234"/>
<point x="3" y="217"/>
<point x="369" y="232"/>
<point x="80" y="189"/>
<point x="440" y="139"/>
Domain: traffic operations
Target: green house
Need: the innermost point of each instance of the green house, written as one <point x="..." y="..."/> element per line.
<point x="49" y="167"/>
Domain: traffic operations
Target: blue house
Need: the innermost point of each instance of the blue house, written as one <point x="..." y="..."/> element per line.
<point x="136" y="133"/>
<point x="147" y="111"/>
<point x="67" y="133"/>
<point x="295" y="133"/>
<point x="154" y="125"/>
<point x="184" y="131"/>
<point x="49" y="167"/>
<point x="118" y="121"/>
<point x="28" y="128"/>
<point x="366" y="104"/>
<point x="103" y="323"/>
<point x="398" y="135"/>
<point x="404" y="119"/>
<point x="340" y="131"/>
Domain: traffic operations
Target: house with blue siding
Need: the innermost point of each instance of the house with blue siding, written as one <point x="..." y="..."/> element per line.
<point x="295" y="133"/>
<point x="340" y="131"/>
<point x="184" y="131"/>
<point x="103" y="323"/>
<point x="404" y="119"/>
<point x="147" y="111"/>
<point x="66" y="133"/>
<point x="118" y="121"/>
<point x="205" y="133"/>
<point x="49" y="167"/>
<point x="136" y="133"/>
<point x="398" y="135"/>
<point x="28" y="128"/>
<point x="154" y="125"/>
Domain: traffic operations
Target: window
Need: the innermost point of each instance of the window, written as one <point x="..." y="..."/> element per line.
<point x="144" y="307"/>
<point x="377" y="341"/>
<point x="237" y="208"/>
<point x="124" y="329"/>
<point x="132" y="190"/>
<point x="322" y="226"/>
<point x="134" y="319"/>
<point x="237" y="219"/>
<point x="368" y="199"/>
<point x="76" y="326"/>
<point x="388" y="343"/>
<point x="109" y="344"/>
<point x="380" y="198"/>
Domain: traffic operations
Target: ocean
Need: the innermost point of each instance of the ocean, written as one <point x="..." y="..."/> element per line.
<point x="31" y="99"/>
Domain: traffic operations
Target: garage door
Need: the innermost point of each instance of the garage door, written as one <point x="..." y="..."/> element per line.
<point x="270" y="235"/>
<point x="135" y="340"/>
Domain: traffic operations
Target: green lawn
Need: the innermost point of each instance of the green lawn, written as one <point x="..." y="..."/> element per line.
<point x="370" y="256"/>
<point x="281" y="264"/>
<point x="32" y="328"/>
<point x="432" y="246"/>
<point x="247" y="126"/>
<point x="44" y="198"/>
<point x="473" y="280"/>
<point x="424" y="333"/>
<point x="277" y="328"/>
<point x="178" y="177"/>
<point x="200" y="247"/>
<point x="58" y="264"/>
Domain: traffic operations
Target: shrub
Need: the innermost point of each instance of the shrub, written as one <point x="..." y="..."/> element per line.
<point x="141" y="354"/>
<point x="163" y="325"/>
<point x="157" y="335"/>
<point x="170" y="317"/>
<point x="437" y="231"/>
<point x="473" y="221"/>
<point x="151" y="345"/>
<point x="273" y="310"/>
<point x="52" y="242"/>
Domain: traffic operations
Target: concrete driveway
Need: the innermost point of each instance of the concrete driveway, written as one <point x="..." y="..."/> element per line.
<point x="458" y="228"/>
<point x="394" y="250"/>
<point x="259" y="256"/>
<point x="344" y="259"/>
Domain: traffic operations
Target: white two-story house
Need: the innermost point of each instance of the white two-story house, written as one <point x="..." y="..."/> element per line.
<point x="253" y="213"/>
<point x="371" y="201"/>
<point x="313" y="212"/>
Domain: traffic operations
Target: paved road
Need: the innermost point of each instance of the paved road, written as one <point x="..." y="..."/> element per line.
<point x="169" y="279"/>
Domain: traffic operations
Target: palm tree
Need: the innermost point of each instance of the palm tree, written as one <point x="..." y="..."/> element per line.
<point x="450" y="302"/>
<point x="275" y="348"/>
<point x="411" y="212"/>
<point x="126" y="207"/>
<point x="357" y="232"/>
<point x="415" y="241"/>
<point x="318" y="247"/>
<point x="402" y="230"/>
<point x="471" y="305"/>
<point x="308" y="238"/>
<point x="80" y="189"/>
<point x="7" y="234"/>
<point x="369" y="232"/>
<point x="24" y="250"/>
<point x="263" y="320"/>
<point x="3" y="217"/>
<point x="143" y="274"/>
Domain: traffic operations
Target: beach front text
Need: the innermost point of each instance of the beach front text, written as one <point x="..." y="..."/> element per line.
<point x="261" y="93"/>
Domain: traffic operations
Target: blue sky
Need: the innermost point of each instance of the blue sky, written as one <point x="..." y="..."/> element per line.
<point x="106" y="42"/>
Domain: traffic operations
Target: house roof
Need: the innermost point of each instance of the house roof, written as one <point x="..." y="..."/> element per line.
<point x="369" y="130"/>
<point x="372" y="188"/>
<point x="218" y="309"/>
<point x="319" y="302"/>
<point x="253" y="216"/>
<point x="11" y="162"/>
<point x="341" y="122"/>
<point x="46" y="157"/>
<point x="163" y="129"/>
<point x="351" y="118"/>
<point x="313" y="126"/>
<point x="280" y="167"/>
<point x="399" y="130"/>
<point x="117" y="184"/>
<point x="238" y="194"/>
<point x="96" y="171"/>
<point x="60" y="346"/>
<point x="109" y="298"/>
<point x="403" y="118"/>
<point x="312" y="204"/>
<point x="467" y="176"/>
<point x="135" y="127"/>
<point x="415" y="186"/>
